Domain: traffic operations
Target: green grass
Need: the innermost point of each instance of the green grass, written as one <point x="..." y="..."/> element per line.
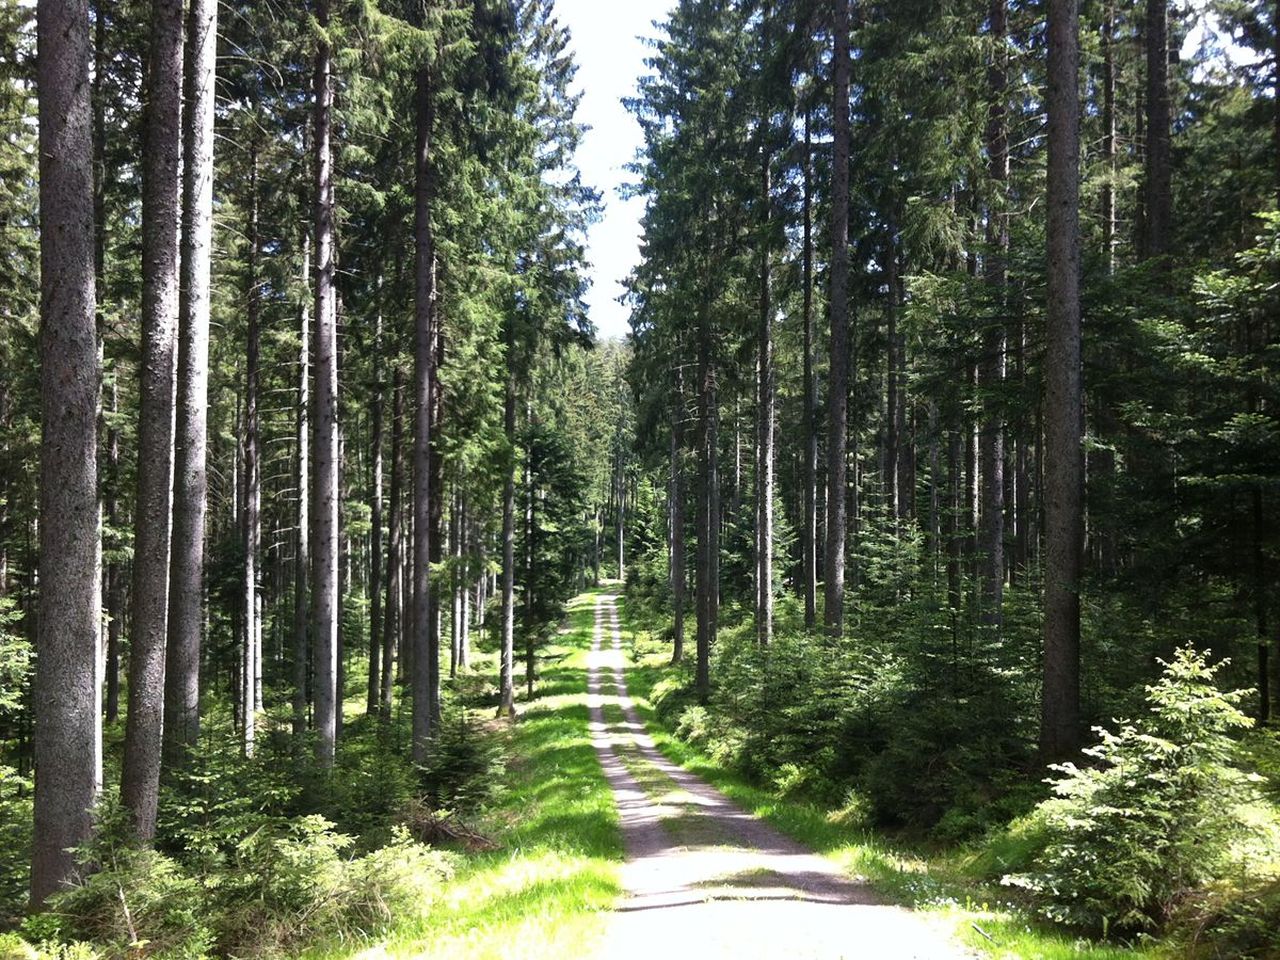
<point x="941" y="883"/>
<point x="547" y="892"/>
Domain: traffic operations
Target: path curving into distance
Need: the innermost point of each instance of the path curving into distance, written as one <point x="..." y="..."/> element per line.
<point x="703" y="877"/>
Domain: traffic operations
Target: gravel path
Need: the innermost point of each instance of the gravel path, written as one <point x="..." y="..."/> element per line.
<point x="706" y="879"/>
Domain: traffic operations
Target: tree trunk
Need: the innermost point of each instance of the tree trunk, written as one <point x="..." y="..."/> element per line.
<point x="252" y="531"/>
<point x="765" y="426"/>
<point x="1157" y="182"/>
<point x="1060" y="720"/>
<point x="302" y="452"/>
<point x="838" y="400"/>
<point x="66" y="697"/>
<point x="506" y="679"/>
<point x="325" y="609"/>
<point x="991" y="370"/>
<point x="677" y="516"/>
<point x="115" y="575"/>
<point x="466" y="544"/>
<point x="434" y="625"/>
<point x="423" y="375"/>
<point x="708" y="508"/>
<point x="374" y="699"/>
<point x="394" y="628"/>
<point x="893" y="422"/>
<point x="1109" y="137"/>
<point x="186" y="576"/>
<point x="809" y="524"/>
<point x="140" y="778"/>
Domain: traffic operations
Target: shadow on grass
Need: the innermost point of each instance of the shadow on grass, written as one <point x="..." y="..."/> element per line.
<point x="554" y="875"/>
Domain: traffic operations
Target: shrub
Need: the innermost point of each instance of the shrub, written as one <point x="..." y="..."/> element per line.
<point x="291" y="884"/>
<point x="465" y="766"/>
<point x="129" y="899"/>
<point x="1125" y="839"/>
<point x="15" y="844"/>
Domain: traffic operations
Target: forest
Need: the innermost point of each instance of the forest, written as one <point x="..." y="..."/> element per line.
<point x="902" y="584"/>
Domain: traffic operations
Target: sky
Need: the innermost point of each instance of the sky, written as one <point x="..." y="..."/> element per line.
<point x="610" y="54"/>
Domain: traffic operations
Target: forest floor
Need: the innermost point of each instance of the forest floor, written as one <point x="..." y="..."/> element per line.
<point x="700" y="870"/>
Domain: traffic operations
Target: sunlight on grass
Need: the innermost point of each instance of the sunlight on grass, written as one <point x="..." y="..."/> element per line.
<point x="548" y="891"/>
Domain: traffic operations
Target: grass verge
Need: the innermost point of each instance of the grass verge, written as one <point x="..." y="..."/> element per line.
<point x="547" y="891"/>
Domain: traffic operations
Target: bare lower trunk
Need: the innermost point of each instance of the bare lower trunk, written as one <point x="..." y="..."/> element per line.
<point x="809" y="523"/>
<point x="252" y="531"/>
<point x="394" y="628"/>
<point x="708" y="523"/>
<point x="1060" y="722"/>
<point x="1157" y="186"/>
<point x="677" y="517"/>
<point x="144" y="726"/>
<point x="506" y="679"/>
<point x="424" y="369"/>
<point x="837" y="400"/>
<point x="374" y="699"/>
<point x="991" y="454"/>
<point x="302" y="554"/>
<point x="115" y="575"/>
<point x="186" y="575"/>
<point x="68" y="730"/>
<point x="325" y="490"/>
<point x="765" y="430"/>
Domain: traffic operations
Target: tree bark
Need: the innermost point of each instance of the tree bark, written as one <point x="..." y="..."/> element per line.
<point x="838" y="400"/>
<point x="325" y="609"/>
<point x="68" y="729"/>
<point x="506" y="679"/>
<point x="394" y="628"/>
<point x="992" y="368"/>
<point x="809" y="523"/>
<point x="162" y="149"/>
<point x="1109" y="136"/>
<point x="252" y="525"/>
<point x="186" y="575"/>
<point x="115" y="575"/>
<point x="374" y="699"/>
<point x="708" y="575"/>
<point x="1157" y="181"/>
<point x="424" y="372"/>
<point x="677" y="516"/>
<point x="302" y="555"/>
<point x="1060" y="720"/>
<point x="765" y="425"/>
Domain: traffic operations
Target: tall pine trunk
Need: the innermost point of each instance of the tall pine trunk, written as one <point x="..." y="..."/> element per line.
<point x="838" y="389"/>
<point x="302" y="455"/>
<point x="423" y="371"/>
<point x="393" y="630"/>
<point x="68" y="729"/>
<point x="190" y="479"/>
<point x="1060" y="720"/>
<point x="677" y="515"/>
<point x="1157" y="176"/>
<point x="162" y="149"/>
<point x="506" y="655"/>
<point x="708" y="521"/>
<point x="374" y="698"/>
<point x="992" y="367"/>
<point x="252" y="521"/>
<point x="809" y="523"/>
<point x="765" y="424"/>
<point x="325" y="489"/>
